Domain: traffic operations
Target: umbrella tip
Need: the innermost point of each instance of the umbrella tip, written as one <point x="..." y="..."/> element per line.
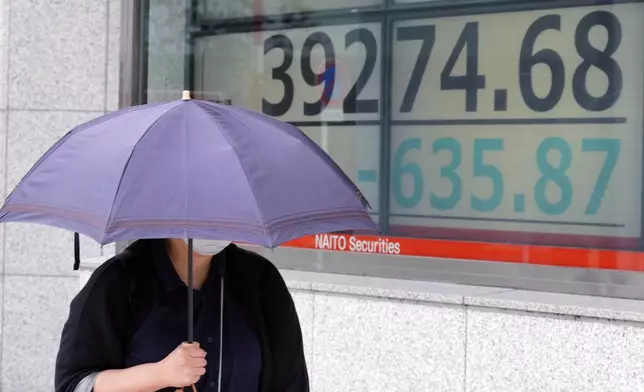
<point x="186" y="95"/>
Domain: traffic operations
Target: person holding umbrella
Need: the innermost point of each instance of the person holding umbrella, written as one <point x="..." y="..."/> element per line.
<point x="126" y="326"/>
<point x="170" y="176"/>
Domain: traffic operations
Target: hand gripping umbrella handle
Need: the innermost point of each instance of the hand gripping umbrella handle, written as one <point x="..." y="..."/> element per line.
<point x="191" y="312"/>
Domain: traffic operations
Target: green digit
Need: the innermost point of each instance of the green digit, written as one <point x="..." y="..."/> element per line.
<point x="612" y="149"/>
<point x="556" y="174"/>
<point x="400" y="169"/>
<point x="449" y="172"/>
<point x="492" y="172"/>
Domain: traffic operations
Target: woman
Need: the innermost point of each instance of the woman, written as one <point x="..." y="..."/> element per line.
<point x="126" y="326"/>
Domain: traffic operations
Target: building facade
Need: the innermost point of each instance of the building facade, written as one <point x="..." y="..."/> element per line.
<point x="499" y="143"/>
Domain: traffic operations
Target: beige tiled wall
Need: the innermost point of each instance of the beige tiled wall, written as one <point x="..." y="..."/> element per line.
<point x="59" y="65"/>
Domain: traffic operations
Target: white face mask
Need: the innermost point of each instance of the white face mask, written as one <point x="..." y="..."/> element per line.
<point x="208" y="247"/>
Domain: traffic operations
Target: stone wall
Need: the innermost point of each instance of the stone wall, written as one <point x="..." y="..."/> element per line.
<point x="59" y="66"/>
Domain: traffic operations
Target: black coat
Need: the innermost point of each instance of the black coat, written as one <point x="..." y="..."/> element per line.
<point x="106" y="312"/>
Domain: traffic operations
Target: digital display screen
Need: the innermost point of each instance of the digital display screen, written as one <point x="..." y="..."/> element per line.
<point x="513" y="125"/>
<point x="520" y="121"/>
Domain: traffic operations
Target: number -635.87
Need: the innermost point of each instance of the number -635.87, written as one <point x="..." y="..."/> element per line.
<point x="446" y="197"/>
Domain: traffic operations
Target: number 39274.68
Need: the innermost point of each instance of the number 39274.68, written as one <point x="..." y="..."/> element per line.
<point x="470" y="82"/>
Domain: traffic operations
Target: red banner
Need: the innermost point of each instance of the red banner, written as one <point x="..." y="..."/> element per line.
<point x="513" y="253"/>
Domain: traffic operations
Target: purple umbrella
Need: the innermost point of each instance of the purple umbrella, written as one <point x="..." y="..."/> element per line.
<point x="188" y="169"/>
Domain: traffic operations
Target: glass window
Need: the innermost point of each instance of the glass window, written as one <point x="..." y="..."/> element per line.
<point x="491" y="132"/>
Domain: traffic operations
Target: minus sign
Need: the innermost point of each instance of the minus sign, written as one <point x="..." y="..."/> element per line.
<point x="367" y="176"/>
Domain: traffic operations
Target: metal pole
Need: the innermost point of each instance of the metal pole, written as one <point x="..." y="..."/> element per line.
<point x="191" y="310"/>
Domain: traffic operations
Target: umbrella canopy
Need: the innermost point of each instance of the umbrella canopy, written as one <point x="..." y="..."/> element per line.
<point x="188" y="169"/>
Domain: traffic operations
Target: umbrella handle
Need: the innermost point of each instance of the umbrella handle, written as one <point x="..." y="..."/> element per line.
<point x="194" y="388"/>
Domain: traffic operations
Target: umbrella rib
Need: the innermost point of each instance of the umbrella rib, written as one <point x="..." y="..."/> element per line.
<point x="241" y="164"/>
<point x="127" y="163"/>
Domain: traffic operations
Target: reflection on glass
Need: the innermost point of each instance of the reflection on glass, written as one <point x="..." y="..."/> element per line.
<point x="166" y="48"/>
